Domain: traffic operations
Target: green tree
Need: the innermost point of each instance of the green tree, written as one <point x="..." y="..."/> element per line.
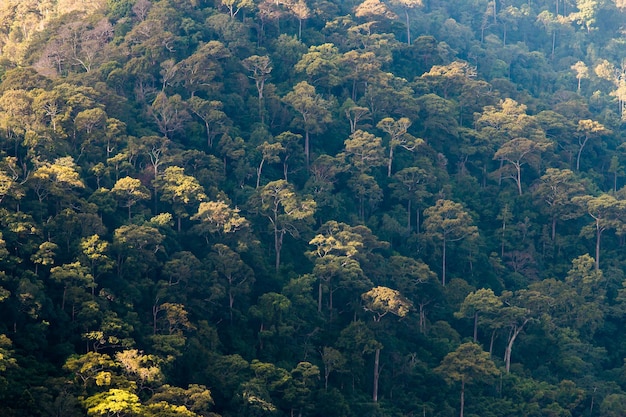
<point x="588" y="129"/>
<point x="260" y="67"/>
<point x="129" y="191"/>
<point x="321" y="65"/>
<point x="381" y="301"/>
<point x="448" y="222"/>
<point x="217" y="218"/>
<point x="467" y="364"/>
<point x="180" y="190"/>
<point x="231" y="276"/>
<point x="286" y="212"/>
<point x="312" y="108"/>
<point x="71" y="276"/>
<point x="114" y="402"/>
<point x="557" y="188"/>
<point x="519" y="152"/>
<point x="477" y="303"/>
<point x="212" y="114"/>
<point x="270" y="152"/>
<point x="398" y="136"/>
<point x="333" y="361"/>
<point x="605" y="210"/>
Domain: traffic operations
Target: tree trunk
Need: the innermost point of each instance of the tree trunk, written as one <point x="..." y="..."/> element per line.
<point x="509" y="346"/>
<point x="598" y="237"/>
<point x="408" y="27"/>
<point x="278" y="244"/>
<point x="376" y="375"/>
<point x="476" y="327"/>
<point x="462" y="397"/>
<point x="408" y="220"/>
<point x="443" y="264"/>
<point x="306" y="148"/>
<point x="319" y="296"/>
<point x="580" y="151"/>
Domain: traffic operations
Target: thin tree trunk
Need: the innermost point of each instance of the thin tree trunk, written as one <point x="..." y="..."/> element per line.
<point x="509" y="347"/>
<point x="598" y="237"/>
<point x="443" y="264"/>
<point x="475" y="326"/>
<point x="462" y="396"/>
<point x="408" y="27"/>
<point x="306" y="148"/>
<point x="376" y="375"/>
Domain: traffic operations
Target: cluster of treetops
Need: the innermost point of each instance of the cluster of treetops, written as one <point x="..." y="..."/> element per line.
<point x="312" y="208"/>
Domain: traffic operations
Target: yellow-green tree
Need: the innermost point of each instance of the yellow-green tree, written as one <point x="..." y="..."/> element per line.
<point x="467" y="364"/>
<point x="286" y="212"/>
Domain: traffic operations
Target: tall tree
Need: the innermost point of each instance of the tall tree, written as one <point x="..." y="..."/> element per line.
<point x="482" y="301"/>
<point x="398" y="136"/>
<point x="286" y="212"/>
<point x="556" y="188"/>
<point x="381" y="301"/>
<point x="260" y="68"/>
<point x="519" y="152"/>
<point x="467" y="364"/>
<point x="313" y="109"/>
<point x="448" y="222"/>
<point x="605" y="211"/>
<point x="588" y="129"/>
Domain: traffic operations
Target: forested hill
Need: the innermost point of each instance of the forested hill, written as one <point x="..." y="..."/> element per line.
<point x="312" y="208"/>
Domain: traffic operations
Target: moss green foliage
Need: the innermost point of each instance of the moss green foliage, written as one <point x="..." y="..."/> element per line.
<point x="312" y="208"/>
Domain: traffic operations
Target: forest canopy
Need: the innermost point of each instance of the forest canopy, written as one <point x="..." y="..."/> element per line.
<point x="312" y="207"/>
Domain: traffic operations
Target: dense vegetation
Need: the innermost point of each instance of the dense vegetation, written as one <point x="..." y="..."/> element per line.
<point x="312" y="208"/>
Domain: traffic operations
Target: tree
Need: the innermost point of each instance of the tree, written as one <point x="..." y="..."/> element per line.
<point x="410" y="184"/>
<point x="181" y="190"/>
<point x="313" y="110"/>
<point x="230" y="275"/>
<point x="210" y="112"/>
<point x="449" y="222"/>
<point x="217" y="217"/>
<point x="581" y="70"/>
<point x="519" y="309"/>
<point x="260" y="67"/>
<point x="381" y="301"/>
<point x="398" y="136"/>
<point x="588" y="129"/>
<point x="482" y="301"/>
<point x="94" y="249"/>
<point x="407" y="5"/>
<point x="557" y="188"/>
<point x="321" y="65"/>
<point x="72" y="275"/>
<point x="270" y="152"/>
<point x="333" y="360"/>
<point x="336" y="245"/>
<point x="355" y="114"/>
<point x="285" y="211"/>
<point x="130" y="191"/>
<point x="169" y="113"/>
<point x="234" y="6"/>
<point x="363" y="151"/>
<point x="605" y="211"/>
<point x="57" y="179"/>
<point x="114" y="402"/>
<point x="518" y="152"/>
<point x="467" y="364"/>
<point x="302" y="12"/>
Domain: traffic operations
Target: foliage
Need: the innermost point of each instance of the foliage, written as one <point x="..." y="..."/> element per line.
<point x="310" y="207"/>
